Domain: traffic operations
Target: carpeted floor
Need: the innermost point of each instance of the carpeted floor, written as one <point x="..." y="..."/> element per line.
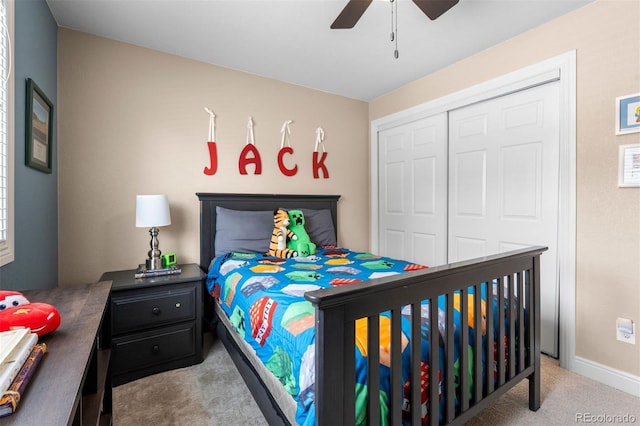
<point x="213" y="393"/>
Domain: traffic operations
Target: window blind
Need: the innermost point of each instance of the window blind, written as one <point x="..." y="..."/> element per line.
<point x="5" y="68"/>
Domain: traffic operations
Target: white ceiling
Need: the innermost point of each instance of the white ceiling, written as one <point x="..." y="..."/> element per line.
<point x="290" y="40"/>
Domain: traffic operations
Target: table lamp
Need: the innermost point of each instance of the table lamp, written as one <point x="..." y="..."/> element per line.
<point x="152" y="211"/>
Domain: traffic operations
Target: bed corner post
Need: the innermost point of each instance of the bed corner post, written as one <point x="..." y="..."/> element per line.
<point x="207" y="230"/>
<point x="534" y="379"/>
<point x="330" y="366"/>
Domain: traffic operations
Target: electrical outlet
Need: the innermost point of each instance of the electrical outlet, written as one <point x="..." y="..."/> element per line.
<point x="626" y="330"/>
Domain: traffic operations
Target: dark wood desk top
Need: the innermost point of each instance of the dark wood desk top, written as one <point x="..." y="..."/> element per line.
<point x="53" y="395"/>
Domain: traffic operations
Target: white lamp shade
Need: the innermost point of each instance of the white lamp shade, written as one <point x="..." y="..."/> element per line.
<point x="152" y="210"/>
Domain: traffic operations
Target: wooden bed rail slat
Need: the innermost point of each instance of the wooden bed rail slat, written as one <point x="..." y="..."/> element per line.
<point x="512" y="327"/>
<point x="416" y="350"/>
<point x="373" y="369"/>
<point x="349" y="396"/>
<point x="434" y="363"/>
<point x="501" y="332"/>
<point x="521" y="321"/>
<point x="396" y="395"/>
<point x="449" y="352"/>
<point x="490" y="333"/>
<point x="530" y="336"/>
<point x="464" y="354"/>
<point x="477" y="343"/>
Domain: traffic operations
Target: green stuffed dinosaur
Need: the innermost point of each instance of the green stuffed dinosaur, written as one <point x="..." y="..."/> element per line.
<point x="302" y="244"/>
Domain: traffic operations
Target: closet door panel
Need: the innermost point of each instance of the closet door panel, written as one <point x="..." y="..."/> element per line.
<point x="468" y="177"/>
<point x="412" y="191"/>
<point x="504" y="185"/>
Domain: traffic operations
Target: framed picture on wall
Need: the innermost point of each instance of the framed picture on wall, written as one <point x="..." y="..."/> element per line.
<point x="628" y="114"/>
<point x="629" y="166"/>
<point x="39" y="128"/>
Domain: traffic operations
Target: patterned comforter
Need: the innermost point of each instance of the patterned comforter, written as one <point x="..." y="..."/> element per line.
<point x="264" y="299"/>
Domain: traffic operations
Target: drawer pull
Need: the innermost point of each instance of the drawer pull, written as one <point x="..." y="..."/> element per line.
<point x="178" y="305"/>
<point x="155" y="349"/>
<point x="155" y="310"/>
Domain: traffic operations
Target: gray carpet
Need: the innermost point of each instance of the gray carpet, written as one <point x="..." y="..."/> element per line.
<point x="213" y="393"/>
<point x="210" y="393"/>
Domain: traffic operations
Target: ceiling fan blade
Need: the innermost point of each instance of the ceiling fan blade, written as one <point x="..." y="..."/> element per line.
<point x="434" y="8"/>
<point x="351" y="14"/>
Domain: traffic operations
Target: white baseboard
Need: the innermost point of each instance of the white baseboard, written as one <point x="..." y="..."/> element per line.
<point x="609" y="376"/>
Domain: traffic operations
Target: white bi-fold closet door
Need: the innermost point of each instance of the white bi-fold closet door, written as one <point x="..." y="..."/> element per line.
<point x="473" y="181"/>
<point x="412" y="176"/>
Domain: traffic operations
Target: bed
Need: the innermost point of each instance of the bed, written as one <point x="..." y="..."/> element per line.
<point x="499" y="294"/>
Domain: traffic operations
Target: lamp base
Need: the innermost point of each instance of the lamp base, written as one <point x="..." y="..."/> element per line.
<point x="153" y="263"/>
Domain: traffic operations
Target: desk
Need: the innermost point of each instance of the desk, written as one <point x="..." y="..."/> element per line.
<point x="72" y="382"/>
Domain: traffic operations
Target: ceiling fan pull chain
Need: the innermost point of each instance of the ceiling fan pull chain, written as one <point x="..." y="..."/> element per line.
<point x="394" y="5"/>
<point x="393" y="34"/>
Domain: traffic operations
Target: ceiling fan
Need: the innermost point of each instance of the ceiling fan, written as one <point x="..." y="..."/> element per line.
<point x="356" y="8"/>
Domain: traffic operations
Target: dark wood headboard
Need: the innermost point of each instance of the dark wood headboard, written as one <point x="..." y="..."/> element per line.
<point x="209" y="201"/>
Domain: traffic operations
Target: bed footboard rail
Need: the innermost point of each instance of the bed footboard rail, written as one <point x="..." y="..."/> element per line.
<point x="505" y="352"/>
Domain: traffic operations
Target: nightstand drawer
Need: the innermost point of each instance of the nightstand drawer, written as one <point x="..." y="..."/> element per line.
<point x="153" y="309"/>
<point x="144" y="350"/>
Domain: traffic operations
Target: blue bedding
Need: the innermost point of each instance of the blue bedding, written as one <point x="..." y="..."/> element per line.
<point x="264" y="299"/>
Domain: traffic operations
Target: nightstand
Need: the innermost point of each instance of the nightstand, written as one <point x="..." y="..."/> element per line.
<point x="156" y="323"/>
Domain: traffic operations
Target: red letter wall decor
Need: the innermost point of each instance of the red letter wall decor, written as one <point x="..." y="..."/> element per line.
<point x="251" y="156"/>
<point x="286" y="139"/>
<point x="245" y="159"/>
<point x="317" y="165"/>
<point x="211" y="145"/>
<point x="213" y="160"/>
<point x="250" y="148"/>
<point x="283" y="168"/>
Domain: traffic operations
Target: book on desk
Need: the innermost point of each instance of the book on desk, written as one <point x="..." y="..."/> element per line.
<point x="20" y="354"/>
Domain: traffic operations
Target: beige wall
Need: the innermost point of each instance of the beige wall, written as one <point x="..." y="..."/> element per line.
<point x="606" y="36"/>
<point x="132" y="121"/>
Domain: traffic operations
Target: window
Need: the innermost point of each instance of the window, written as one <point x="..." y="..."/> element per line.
<point x="7" y="107"/>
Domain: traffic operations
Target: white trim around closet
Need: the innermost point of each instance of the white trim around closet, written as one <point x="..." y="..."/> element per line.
<point x="561" y="68"/>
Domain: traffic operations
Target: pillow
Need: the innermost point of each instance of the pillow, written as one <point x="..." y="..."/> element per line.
<point x="319" y="226"/>
<point x="242" y="231"/>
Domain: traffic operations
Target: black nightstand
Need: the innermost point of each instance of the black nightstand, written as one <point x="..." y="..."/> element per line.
<point x="156" y="323"/>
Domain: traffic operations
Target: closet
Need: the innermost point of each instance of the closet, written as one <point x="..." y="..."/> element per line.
<point x="479" y="178"/>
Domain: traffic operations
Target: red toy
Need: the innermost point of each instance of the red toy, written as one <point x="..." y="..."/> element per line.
<point x="17" y="312"/>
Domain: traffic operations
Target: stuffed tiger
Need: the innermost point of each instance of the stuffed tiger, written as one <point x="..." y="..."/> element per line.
<point x="278" y="244"/>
